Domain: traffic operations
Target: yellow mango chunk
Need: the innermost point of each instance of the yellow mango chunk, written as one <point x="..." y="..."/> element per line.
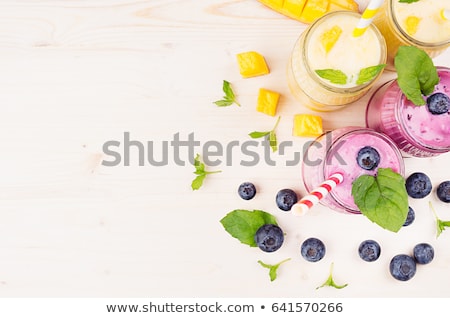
<point x="330" y="37"/>
<point x="252" y="64"/>
<point x="267" y="101"/>
<point x="307" y="125"/>
<point x="314" y="9"/>
<point x="411" y="24"/>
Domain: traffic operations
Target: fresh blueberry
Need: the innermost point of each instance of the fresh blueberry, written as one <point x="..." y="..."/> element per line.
<point x="410" y="217"/>
<point x="313" y="249"/>
<point x="285" y="199"/>
<point x="418" y="185"/>
<point x="269" y="237"/>
<point x="423" y="253"/>
<point x="368" y="158"/>
<point x="438" y="103"/>
<point x="402" y="267"/>
<point x="369" y="250"/>
<point x="443" y="191"/>
<point x="247" y="190"/>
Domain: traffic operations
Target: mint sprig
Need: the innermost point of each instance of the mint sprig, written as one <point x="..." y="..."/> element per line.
<point x="243" y="224"/>
<point x="273" y="268"/>
<point x="229" y="98"/>
<point x="334" y="76"/>
<point x="416" y="73"/>
<point x="338" y="77"/>
<point x="407" y="1"/>
<point x="271" y="135"/>
<point x="382" y="198"/>
<point x="330" y="281"/>
<point x="440" y="224"/>
<point x="369" y="73"/>
<point x="200" y="172"/>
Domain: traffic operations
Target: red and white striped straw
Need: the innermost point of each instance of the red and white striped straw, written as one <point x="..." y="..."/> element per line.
<point x="303" y="205"/>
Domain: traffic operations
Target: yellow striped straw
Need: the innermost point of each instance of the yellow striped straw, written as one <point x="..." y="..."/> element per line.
<point x="367" y="17"/>
<point x="445" y="14"/>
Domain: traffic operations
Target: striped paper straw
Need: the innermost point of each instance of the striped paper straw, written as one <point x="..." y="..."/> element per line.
<point x="307" y="202"/>
<point x="367" y="17"/>
<point x="445" y="13"/>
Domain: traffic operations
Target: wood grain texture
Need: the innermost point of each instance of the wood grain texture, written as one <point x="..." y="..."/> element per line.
<point x="75" y="74"/>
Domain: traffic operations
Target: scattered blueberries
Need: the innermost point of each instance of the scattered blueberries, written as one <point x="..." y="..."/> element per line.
<point x="443" y="191"/>
<point x="423" y="253"/>
<point x="410" y="217"/>
<point x="368" y="158"/>
<point x="418" y="185"/>
<point x="369" y="250"/>
<point x="247" y="190"/>
<point x="269" y="237"/>
<point x="438" y="103"/>
<point x="313" y="249"/>
<point x="285" y="199"/>
<point x="402" y="267"/>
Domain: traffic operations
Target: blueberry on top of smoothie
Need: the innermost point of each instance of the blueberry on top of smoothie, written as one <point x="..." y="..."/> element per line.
<point x="438" y="103"/>
<point x="368" y="158"/>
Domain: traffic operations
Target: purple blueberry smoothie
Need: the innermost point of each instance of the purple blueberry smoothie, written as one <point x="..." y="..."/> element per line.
<point x="419" y="131"/>
<point x="352" y="151"/>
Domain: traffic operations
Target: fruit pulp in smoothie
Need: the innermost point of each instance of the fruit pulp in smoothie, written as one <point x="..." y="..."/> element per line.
<point x="418" y="131"/>
<point x="351" y="151"/>
<point x="421" y="23"/>
<point x="329" y="44"/>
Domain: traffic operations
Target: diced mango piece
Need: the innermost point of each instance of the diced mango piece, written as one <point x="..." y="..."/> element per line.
<point x="252" y="64"/>
<point x="411" y="24"/>
<point x="307" y="11"/>
<point x="307" y="125"/>
<point x="329" y="37"/>
<point x="267" y="101"/>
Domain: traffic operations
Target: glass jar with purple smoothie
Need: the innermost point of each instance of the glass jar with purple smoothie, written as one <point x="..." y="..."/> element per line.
<point x="418" y="131"/>
<point x="351" y="151"/>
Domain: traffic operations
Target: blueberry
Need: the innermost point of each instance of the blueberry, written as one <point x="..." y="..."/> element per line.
<point x="369" y="250"/>
<point x="368" y="158"/>
<point x="313" y="249"/>
<point x="269" y="237"/>
<point x="418" y="185"/>
<point x="423" y="253"/>
<point x="285" y="199"/>
<point x="443" y="191"/>
<point x="247" y="190"/>
<point x="410" y="217"/>
<point x="438" y="103"/>
<point x="402" y="267"/>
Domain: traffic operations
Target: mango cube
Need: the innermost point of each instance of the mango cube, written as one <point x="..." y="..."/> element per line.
<point x="267" y="101"/>
<point x="307" y="125"/>
<point x="252" y="64"/>
<point x="411" y="23"/>
<point x="330" y="37"/>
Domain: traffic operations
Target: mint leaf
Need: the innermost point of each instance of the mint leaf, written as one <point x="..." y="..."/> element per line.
<point x="258" y="134"/>
<point x="273" y="141"/>
<point x="407" y="1"/>
<point x="273" y="268"/>
<point x="229" y="98"/>
<point x="416" y="73"/>
<point x="243" y="224"/>
<point x="271" y="134"/>
<point x="382" y="198"/>
<point x="334" y="76"/>
<point x="330" y="282"/>
<point x="200" y="172"/>
<point x="369" y="73"/>
<point x="440" y="225"/>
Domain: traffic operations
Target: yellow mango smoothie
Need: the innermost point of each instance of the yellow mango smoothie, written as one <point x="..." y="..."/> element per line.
<point x="329" y="67"/>
<point x="422" y="24"/>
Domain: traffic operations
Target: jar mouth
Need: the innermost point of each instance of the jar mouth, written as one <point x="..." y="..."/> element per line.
<point x="401" y="100"/>
<point x="319" y="80"/>
<point x="407" y="37"/>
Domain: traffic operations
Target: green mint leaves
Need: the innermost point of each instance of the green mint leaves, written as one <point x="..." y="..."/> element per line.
<point x="273" y="268"/>
<point x="271" y="135"/>
<point x="416" y="73"/>
<point x="407" y="1"/>
<point x="330" y="282"/>
<point x="338" y="77"/>
<point x="440" y="224"/>
<point x="382" y="198"/>
<point x="229" y="98"/>
<point x="243" y="224"/>
<point x="334" y="76"/>
<point x="200" y="172"/>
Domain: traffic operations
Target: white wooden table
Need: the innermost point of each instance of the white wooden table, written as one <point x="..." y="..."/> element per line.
<point x="76" y="74"/>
